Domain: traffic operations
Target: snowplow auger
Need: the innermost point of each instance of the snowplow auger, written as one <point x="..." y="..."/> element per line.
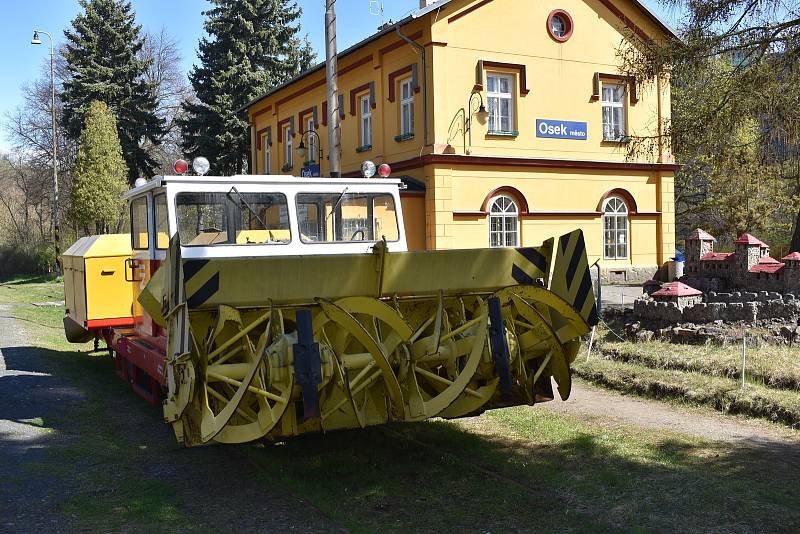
<point x="275" y="347"/>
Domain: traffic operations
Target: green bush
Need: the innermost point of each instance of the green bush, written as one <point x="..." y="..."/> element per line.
<point x="26" y="259"/>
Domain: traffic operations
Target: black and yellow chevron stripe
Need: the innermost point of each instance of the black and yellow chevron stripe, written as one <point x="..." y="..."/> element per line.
<point x="532" y="263"/>
<point x="572" y="280"/>
<point x="200" y="283"/>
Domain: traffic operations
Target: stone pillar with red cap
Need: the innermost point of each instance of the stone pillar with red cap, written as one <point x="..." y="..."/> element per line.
<point x="791" y="272"/>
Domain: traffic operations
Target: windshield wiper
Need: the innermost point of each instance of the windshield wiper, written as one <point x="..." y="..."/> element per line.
<point x="339" y="201"/>
<point x="243" y="202"/>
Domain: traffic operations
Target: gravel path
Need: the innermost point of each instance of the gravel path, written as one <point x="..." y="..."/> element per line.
<point x="592" y="402"/>
<point x="29" y="398"/>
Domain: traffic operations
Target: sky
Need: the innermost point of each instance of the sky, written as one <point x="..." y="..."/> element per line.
<point x="22" y="62"/>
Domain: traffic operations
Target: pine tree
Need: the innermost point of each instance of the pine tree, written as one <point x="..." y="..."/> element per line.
<point x="100" y="172"/>
<point x="101" y="55"/>
<point x="252" y="47"/>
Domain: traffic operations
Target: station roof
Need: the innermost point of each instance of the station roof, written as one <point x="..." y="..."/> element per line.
<point x="794" y="256"/>
<point x="393" y="27"/>
<point x="749" y="239"/>
<point x="677" y="289"/>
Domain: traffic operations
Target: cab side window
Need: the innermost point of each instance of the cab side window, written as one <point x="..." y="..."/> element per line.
<point x="140" y="228"/>
<point x="162" y="222"/>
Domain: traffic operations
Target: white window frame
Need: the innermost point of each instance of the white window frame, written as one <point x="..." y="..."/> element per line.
<point x="366" y="120"/>
<point x="494" y="98"/>
<point x="615" y="211"/>
<point x="288" y="147"/>
<point x="504" y="209"/>
<point x="613" y="104"/>
<point x="312" y="153"/>
<point x="407" y="104"/>
<point x="267" y="156"/>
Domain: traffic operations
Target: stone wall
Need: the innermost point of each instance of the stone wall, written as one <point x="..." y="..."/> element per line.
<point x="727" y="307"/>
<point x="746" y="296"/>
<point x="626" y="275"/>
<point x="791" y="276"/>
<point x="705" y="284"/>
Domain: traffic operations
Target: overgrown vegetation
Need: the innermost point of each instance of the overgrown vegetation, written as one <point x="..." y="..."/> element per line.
<point x="723" y="394"/>
<point x="773" y="366"/>
<point x="735" y="124"/>
<point x="707" y="375"/>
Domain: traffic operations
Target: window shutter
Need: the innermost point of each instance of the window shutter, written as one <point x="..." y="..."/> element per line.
<point x="372" y="102"/>
<point x="269" y="136"/>
<point x="325" y="113"/>
<point x="415" y="77"/>
<point x="479" y="75"/>
<point x="341" y="107"/>
<point x="314" y="114"/>
<point x="291" y="126"/>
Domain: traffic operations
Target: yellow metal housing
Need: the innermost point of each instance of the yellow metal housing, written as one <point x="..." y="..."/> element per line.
<point x="95" y="288"/>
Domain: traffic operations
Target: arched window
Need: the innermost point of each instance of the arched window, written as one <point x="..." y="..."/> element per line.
<point x="503" y="222"/>
<point x="615" y="229"/>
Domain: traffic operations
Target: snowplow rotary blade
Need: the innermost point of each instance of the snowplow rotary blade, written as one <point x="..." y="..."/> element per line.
<point x="392" y="337"/>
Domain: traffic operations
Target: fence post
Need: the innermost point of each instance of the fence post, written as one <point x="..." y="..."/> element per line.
<point x="744" y="357"/>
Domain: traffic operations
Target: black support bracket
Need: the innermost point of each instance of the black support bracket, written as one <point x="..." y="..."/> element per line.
<point x="307" y="364"/>
<point x="499" y="345"/>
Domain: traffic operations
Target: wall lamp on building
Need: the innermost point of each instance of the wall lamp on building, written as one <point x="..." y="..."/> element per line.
<point x="302" y="150"/>
<point x="480" y="112"/>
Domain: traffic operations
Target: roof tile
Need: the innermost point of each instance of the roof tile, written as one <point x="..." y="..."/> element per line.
<point x="677" y="289"/>
<point x="699" y="233"/>
<point x="749" y="239"/>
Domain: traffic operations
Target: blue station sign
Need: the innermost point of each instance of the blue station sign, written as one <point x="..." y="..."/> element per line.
<point x="561" y="129"/>
<point x="310" y="171"/>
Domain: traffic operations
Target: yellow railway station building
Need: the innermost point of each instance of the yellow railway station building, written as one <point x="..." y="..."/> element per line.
<point x="508" y="121"/>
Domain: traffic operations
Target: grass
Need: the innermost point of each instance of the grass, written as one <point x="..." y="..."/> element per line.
<point x="30" y="289"/>
<point x="517" y="469"/>
<point x="530" y="469"/>
<point x="773" y="366"/>
<point x="723" y="394"/>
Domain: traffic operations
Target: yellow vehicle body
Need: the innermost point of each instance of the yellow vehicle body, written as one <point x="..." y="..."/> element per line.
<point x="96" y="291"/>
<point x="274" y="347"/>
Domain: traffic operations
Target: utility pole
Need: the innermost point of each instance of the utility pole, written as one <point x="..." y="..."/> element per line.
<point x="334" y="129"/>
<point x="56" y="238"/>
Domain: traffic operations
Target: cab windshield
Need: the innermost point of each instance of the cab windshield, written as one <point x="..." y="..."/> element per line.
<point x="232" y="218"/>
<point x="346" y="217"/>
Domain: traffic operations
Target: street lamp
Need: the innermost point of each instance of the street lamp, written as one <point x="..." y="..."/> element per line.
<point x="479" y="112"/>
<point x="303" y="151"/>
<point x="37" y="41"/>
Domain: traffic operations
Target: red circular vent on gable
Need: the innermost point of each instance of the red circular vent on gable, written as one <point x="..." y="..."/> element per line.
<point x="559" y="25"/>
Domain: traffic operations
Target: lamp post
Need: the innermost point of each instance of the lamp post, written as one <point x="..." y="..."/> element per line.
<point x="37" y="41"/>
<point x="302" y="150"/>
<point x="481" y="113"/>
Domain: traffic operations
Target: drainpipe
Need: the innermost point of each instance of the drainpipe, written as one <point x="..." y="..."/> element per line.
<point x="424" y="80"/>
<point x="660" y="132"/>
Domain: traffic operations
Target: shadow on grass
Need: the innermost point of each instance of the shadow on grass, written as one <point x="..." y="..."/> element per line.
<point x="519" y="469"/>
<point x="27" y="279"/>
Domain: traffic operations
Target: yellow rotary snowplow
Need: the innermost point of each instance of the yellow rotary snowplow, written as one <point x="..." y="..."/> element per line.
<point x="289" y="306"/>
<point x="279" y="346"/>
